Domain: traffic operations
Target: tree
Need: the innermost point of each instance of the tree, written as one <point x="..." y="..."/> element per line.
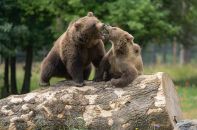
<point x="4" y="52"/>
<point x="19" y="31"/>
<point x="38" y="17"/>
<point x="142" y="18"/>
<point x="183" y="13"/>
<point x="13" y="34"/>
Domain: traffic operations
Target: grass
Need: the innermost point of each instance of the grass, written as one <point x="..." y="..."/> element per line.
<point x="188" y="98"/>
<point x="184" y="77"/>
<point x="185" y="80"/>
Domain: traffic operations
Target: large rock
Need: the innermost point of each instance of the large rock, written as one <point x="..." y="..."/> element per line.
<point x="149" y="103"/>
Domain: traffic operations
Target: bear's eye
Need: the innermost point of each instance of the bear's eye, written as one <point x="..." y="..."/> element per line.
<point x="94" y="25"/>
<point x="113" y="28"/>
<point x="136" y="51"/>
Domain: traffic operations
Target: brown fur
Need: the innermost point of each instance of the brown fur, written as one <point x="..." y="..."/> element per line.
<point x="123" y="62"/>
<point x="138" y="58"/>
<point x="74" y="51"/>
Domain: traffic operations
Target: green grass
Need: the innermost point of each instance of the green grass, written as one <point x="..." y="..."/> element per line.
<point x="184" y="77"/>
<point x="188" y="98"/>
<point x="185" y="80"/>
<point x="34" y="78"/>
<point x="20" y="76"/>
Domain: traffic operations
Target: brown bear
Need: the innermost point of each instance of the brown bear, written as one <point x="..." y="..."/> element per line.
<point x="123" y="62"/>
<point x="74" y="51"/>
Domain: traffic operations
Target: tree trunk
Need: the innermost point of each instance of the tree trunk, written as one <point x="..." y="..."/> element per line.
<point x="187" y="55"/>
<point x="184" y="55"/>
<point x="6" y="78"/>
<point x="174" y="50"/>
<point x="149" y="103"/>
<point x="164" y="55"/>
<point x="13" y="75"/>
<point x="28" y="66"/>
<point x="154" y="54"/>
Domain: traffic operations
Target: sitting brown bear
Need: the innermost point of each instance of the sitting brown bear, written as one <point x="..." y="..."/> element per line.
<point x="74" y="50"/>
<point x="123" y="62"/>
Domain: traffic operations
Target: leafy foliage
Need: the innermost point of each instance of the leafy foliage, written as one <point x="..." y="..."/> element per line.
<point x="36" y="24"/>
<point x="183" y="13"/>
<point x="145" y="19"/>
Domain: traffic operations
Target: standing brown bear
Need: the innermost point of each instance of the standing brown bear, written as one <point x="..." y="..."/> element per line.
<point x="74" y="51"/>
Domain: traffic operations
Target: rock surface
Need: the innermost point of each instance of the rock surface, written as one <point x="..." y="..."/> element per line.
<point x="150" y="102"/>
<point x="186" y="125"/>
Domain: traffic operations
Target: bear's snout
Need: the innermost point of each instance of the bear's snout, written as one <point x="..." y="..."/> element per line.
<point x="99" y="26"/>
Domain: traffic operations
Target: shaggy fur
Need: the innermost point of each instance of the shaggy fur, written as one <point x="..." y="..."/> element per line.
<point x="74" y="51"/>
<point x="123" y="62"/>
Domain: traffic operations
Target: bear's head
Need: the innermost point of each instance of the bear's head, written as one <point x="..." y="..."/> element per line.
<point x="116" y="34"/>
<point x="120" y="39"/>
<point x="87" y="28"/>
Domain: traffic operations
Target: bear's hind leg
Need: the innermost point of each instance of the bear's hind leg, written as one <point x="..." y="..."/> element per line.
<point x="49" y="68"/>
<point x="46" y="74"/>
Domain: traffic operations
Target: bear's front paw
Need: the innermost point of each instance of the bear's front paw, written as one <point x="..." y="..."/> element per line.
<point x="108" y="83"/>
<point x="44" y="84"/>
<point x="97" y="80"/>
<point x="79" y="84"/>
<point x="114" y="82"/>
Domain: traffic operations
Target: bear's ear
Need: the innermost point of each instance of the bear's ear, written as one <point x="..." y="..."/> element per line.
<point x="90" y="14"/>
<point x="129" y="38"/>
<point x="78" y="25"/>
